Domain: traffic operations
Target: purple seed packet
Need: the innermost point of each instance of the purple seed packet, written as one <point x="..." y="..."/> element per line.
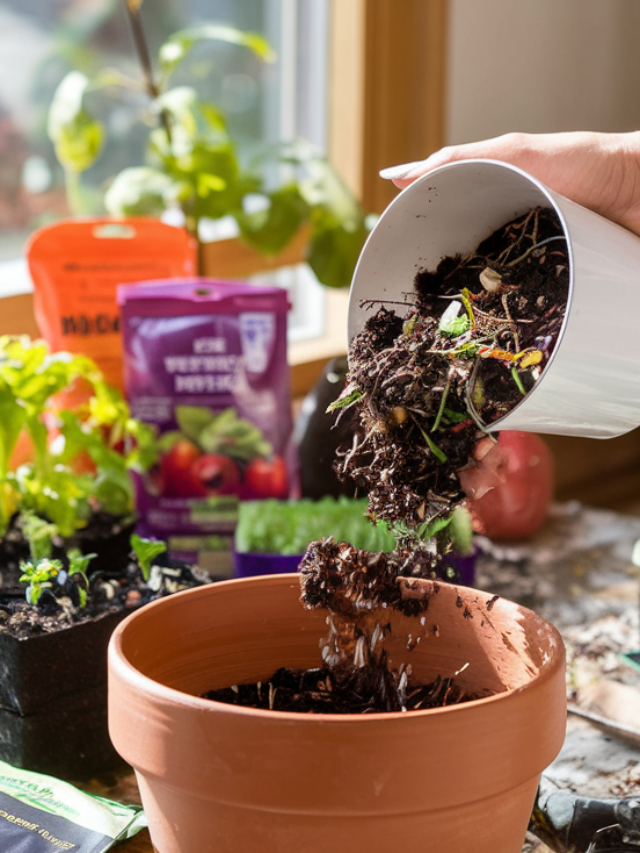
<point x="205" y="363"/>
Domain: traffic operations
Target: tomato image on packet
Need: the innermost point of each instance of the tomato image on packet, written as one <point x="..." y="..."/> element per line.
<point x="206" y="364"/>
<point x="76" y="265"/>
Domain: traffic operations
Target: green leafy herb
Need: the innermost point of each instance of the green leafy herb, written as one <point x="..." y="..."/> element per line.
<point x="39" y="575"/>
<point x="64" y="479"/>
<point x="452" y="323"/>
<point x="433" y="447"/>
<point x="146" y="550"/>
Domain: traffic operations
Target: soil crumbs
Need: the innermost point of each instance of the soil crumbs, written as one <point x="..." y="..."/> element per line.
<point x="325" y="691"/>
<point x="474" y="340"/>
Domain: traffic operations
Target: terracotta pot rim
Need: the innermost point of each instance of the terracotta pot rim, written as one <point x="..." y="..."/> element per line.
<point x="171" y="696"/>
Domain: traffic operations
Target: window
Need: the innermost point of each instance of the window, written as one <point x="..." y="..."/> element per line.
<point x="363" y="78"/>
<point x="260" y="102"/>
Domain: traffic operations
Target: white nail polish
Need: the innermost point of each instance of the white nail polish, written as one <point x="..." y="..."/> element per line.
<point x="401" y="171"/>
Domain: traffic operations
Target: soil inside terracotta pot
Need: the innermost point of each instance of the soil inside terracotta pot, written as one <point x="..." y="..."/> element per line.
<point x="471" y="342"/>
<point x="327" y="690"/>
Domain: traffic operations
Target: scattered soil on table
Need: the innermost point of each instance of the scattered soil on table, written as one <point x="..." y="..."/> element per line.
<point x="474" y="339"/>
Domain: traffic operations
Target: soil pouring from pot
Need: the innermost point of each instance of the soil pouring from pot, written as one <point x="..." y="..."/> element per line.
<point x="469" y="343"/>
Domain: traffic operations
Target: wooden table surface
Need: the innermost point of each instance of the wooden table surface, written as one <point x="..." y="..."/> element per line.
<point x="577" y="573"/>
<point x="123" y="789"/>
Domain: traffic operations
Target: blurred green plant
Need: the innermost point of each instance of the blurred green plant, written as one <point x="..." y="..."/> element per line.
<point x="287" y="527"/>
<point x="193" y="164"/>
<point x="67" y="443"/>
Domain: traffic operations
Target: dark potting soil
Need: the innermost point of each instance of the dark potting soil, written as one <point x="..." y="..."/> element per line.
<point x="327" y="691"/>
<point x="115" y="580"/>
<point x="474" y="339"/>
<point x="423" y="385"/>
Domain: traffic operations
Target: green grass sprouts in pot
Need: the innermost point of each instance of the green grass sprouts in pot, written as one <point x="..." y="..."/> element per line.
<point x="287" y="527"/>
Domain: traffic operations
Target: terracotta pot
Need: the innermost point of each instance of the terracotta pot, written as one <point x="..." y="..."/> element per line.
<point x="217" y="777"/>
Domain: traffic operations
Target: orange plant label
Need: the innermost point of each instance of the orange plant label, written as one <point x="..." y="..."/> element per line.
<point x="76" y="266"/>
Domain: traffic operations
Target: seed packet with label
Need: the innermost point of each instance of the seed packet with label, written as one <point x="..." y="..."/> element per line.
<point x="76" y="266"/>
<point x="40" y="814"/>
<point x="206" y="363"/>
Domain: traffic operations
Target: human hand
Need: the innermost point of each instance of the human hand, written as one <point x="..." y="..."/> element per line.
<point x="600" y="171"/>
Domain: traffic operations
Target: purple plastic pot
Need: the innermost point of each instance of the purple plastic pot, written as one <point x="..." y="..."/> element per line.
<point x="248" y="565"/>
<point x="465" y="566"/>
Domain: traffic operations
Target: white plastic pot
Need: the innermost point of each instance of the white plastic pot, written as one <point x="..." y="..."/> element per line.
<point x="591" y="384"/>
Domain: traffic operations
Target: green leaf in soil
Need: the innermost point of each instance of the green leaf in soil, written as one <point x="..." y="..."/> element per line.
<point x="146" y="550"/>
<point x="455" y="417"/>
<point x="347" y="398"/>
<point x="192" y="420"/>
<point x="452" y="324"/>
<point x="461" y="530"/>
<point x="433" y="447"/>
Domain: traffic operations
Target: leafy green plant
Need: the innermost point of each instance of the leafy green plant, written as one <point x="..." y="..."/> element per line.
<point x="192" y="163"/>
<point x="40" y="575"/>
<point x="47" y="574"/>
<point x="58" y="464"/>
<point x="78" y="564"/>
<point x="146" y="550"/>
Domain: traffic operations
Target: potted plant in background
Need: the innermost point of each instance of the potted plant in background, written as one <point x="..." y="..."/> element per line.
<point x="71" y="567"/>
<point x="279" y="195"/>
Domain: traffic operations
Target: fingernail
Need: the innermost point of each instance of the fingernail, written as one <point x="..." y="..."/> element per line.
<point x="394" y="172"/>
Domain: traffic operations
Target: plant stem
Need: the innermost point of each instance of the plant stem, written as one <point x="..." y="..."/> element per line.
<point x="443" y="400"/>
<point x="140" y="40"/>
<point x="518" y="381"/>
<point x="74" y="195"/>
<point x="532" y="249"/>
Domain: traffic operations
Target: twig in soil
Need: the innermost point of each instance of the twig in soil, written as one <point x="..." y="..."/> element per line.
<point x="532" y="249"/>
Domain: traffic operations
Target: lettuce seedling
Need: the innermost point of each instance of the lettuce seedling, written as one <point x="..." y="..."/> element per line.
<point x="78" y="563"/>
<point x="145" y="551"/>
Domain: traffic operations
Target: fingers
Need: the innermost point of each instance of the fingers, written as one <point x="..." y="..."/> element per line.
<point x="518" y="149"/>
<point x="601" y="171"/>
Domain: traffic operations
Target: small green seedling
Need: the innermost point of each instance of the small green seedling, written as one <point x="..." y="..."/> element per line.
<point x="145" y="551"/>
<point x="78" y="566"/>
<point x="40" y="575"/>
